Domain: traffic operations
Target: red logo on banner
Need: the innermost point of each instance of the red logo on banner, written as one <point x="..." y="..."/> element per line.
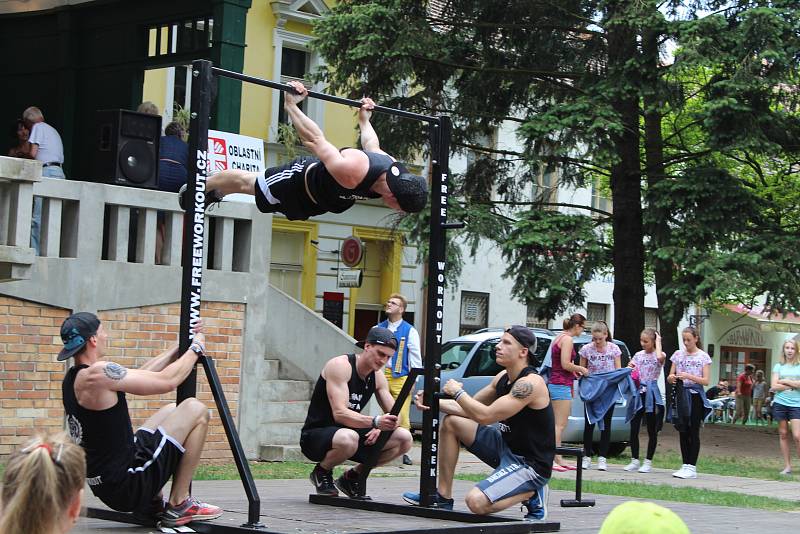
<point x="217" y="155"/>
<point x="352" y="251"/>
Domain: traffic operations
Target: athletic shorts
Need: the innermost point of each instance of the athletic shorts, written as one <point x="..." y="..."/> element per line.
<point x="282" y="189"/>
<point x="316" y="442"/>
<point x="781" y="412"/>
<point x="156" y="458"/>
<point x="559" y="392"/>
<point x="512" y="475"/>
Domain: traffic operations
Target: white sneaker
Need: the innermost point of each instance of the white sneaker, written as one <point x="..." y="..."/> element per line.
<point x="681" y="470"/>
<point x="587" y="462"/>
<point x="646" y="466"/>
<point x="633" y="465"/>
<point x="687" y="471"/>
<point x="601" y="463"/>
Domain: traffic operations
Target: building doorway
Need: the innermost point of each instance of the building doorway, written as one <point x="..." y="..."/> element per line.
<point x="733" y="360"/>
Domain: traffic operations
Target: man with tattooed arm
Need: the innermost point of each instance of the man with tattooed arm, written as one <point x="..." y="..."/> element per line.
<point x="127" y="470"/>
<point x="509" y="425"/>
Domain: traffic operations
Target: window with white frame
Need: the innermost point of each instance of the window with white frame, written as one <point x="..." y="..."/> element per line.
<point x="545" y="186"/>
<point x="600" y="199"/>
<point x="294" y="60"/>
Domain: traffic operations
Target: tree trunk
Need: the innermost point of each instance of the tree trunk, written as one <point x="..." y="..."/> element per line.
<point x="626" y="181"/>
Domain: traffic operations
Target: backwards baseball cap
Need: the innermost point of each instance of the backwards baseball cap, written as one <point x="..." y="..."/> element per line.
<point x="636" y="517"/>
<point x="76" y="331"/>
<point x="379" y="336"/>
<point x="524" y="336"/>
<point x="410" y="190"/>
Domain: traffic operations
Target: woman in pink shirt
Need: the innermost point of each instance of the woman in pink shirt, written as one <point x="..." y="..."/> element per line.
<point x="562" y="375"/>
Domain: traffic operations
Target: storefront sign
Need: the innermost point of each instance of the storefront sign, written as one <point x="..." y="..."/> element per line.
<point x="743" y="336"/>
<point x="333" y="307"/>
<point x="349" y="278"/>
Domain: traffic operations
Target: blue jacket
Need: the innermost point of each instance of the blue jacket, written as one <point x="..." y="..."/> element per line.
<point x="680" y="409"/>
<point x="601" y="390"/>
<point x="400" y="365"/>
<point x="652" y="396"/>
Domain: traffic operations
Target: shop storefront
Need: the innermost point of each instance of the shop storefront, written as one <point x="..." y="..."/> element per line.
<point x="738" y="336"/>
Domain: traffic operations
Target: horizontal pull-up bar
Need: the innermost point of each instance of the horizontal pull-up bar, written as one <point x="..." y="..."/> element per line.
<point x="322" y="96"/>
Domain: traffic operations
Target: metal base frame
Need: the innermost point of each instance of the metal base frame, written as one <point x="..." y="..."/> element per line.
<point x="577" y="502"/>
<point x="488" y="523"/>
<point x="197" y="526"/>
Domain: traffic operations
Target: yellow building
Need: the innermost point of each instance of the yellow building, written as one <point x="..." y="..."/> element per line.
<point x="304" y="253"/>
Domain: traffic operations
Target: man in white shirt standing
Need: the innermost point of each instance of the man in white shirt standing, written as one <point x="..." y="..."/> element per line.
<point x="46" y="146"/>
<point x="405" y="357"/>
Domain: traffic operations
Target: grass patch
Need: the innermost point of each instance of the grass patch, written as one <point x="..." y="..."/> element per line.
<point x="668" y="493"/>
<point x="299" y="470"/>
<point x="762" y="469"/>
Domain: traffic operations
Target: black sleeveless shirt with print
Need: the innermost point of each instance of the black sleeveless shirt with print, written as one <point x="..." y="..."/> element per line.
<point x="332" y="197"/>
<point x="320" y="413"/>
<point x="105" y="435"/>
<point x="529" y="433"/>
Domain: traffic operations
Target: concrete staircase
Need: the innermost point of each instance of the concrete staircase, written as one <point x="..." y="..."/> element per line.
<point x="284" y="398"/>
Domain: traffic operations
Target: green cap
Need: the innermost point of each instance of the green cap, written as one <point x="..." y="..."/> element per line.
<point x="637" y="517"/>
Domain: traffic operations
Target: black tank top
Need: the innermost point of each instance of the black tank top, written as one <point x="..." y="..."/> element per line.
<point x="105" y="435"/>
<point x="334" y="198"/>
<point x="360" y="392"/>
<point x="529" y="433"/>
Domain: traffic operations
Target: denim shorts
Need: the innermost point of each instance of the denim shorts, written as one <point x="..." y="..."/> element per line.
<point x="781" y="412"/>
<point x="559" y="392"/>
<point x="512" y="475"/>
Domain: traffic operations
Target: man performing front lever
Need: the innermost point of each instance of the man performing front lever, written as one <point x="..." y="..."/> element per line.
<point x="520" y="449"/>
<point x="331" y="181"/>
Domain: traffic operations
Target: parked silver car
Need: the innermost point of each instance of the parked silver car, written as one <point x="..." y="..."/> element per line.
<point x="471" y="359"/>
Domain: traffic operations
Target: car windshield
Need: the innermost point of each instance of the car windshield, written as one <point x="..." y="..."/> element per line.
<point x="454" y="353"/>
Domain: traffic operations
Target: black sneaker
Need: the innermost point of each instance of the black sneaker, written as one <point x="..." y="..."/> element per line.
<point x="351" y="487"/>
<point x="323" y="481"/>
<point x="212" y="197"/>
<point x="407" y="460"/>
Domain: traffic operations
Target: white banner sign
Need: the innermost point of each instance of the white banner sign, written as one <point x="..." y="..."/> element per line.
<point x="233" y="151"/>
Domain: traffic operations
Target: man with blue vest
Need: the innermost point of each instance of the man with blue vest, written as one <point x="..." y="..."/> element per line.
<point x="405" y="357"/>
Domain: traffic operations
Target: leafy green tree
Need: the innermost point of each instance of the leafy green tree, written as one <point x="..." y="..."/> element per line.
<point x="587" y="87"/>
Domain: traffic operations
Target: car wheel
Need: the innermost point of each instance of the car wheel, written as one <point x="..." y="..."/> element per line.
<point x="615" y="449"/>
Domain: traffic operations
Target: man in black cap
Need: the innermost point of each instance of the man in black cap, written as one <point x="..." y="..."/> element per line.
<point x="331" y="181"/>
<point x="335" y="429"/>
<point x="520" y="447"/>
<point x="125" y="470"/>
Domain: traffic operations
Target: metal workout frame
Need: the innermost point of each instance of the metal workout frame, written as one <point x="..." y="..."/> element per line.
<point x="192" y="258"/>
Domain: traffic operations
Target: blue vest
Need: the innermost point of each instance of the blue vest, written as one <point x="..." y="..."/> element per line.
<point x="400" y="365"/>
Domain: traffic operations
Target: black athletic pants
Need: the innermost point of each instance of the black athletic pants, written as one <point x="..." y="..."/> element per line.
<point x="690" y="439"/>
<point x="651" y="421"/>
<point x="605" y="434"/>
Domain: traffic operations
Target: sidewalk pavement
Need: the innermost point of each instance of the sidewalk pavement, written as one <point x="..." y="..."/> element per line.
<point x="787" y="490"/>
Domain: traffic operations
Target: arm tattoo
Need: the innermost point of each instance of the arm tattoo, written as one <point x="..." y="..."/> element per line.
<point x="115" y="371"/>
<point x="522" y="390"/>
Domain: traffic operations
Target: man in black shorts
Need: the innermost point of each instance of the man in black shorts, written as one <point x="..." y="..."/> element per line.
<point x="125" y="470"/>
<point x="520" y="448"/>
<point x="335" y="430"/>
<point x="331" y="181"/>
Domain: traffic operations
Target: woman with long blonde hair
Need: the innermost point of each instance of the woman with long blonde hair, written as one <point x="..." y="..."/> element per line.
<point x="43" y="486"/>
<point x="786" y="402"/>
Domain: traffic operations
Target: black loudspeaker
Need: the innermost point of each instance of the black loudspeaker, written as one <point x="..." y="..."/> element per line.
<point x="127" y="148"/>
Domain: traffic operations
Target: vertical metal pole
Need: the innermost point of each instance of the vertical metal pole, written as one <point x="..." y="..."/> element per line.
<point x="192" y="258"/>
<point x="194" y="218"/>
<point x="440" y="151"/>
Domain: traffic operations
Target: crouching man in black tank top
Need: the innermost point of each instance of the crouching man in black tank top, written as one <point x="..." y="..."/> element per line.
<point x="331" y="181"/>
<point x="125" y="470"/>
<point x="520" y="448"/>
<point x="335" y="430"/>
